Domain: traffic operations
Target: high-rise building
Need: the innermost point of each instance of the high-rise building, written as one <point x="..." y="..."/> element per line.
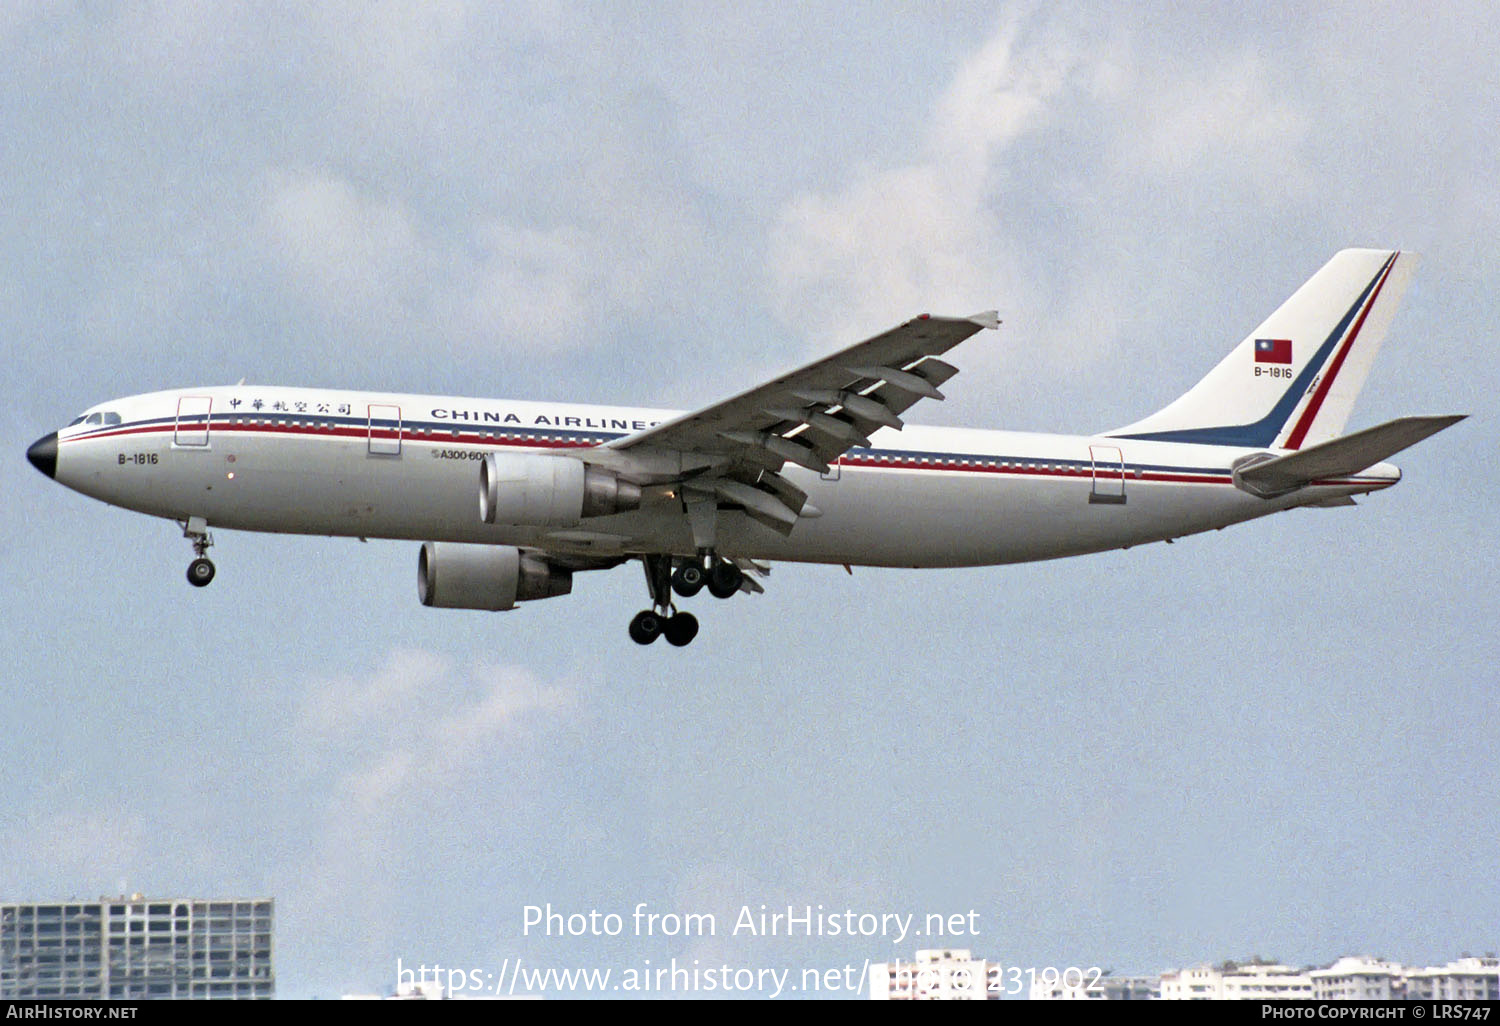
<point x="1359" y="978"/>
<point x="940" y="974"/>
<point x="1465" y="979"/>
<point x="1087" y="986"/>
<point x="1254" y="981"/>
<point x="136" y="948"/>
<point x="1351" y="978"/>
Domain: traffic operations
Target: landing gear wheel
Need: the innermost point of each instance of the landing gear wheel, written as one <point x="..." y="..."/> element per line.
<point x="724" y="580"/>
<point x="200" y="571"/>
<point x="688" y="580"/>
<point x="681" y="629"/>
<point x="646" y="626"/>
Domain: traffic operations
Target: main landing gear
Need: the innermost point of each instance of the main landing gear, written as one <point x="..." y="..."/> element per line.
<point x="721" y="577"/>
<point x="679" y="628"/>
<point x="201" y="570"/>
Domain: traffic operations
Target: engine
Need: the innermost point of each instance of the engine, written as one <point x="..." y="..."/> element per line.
<point x="549" y="491"/>
<point x="495" y="577"/>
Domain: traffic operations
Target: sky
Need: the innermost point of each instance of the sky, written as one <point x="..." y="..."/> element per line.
<point x="1278" y="740"/>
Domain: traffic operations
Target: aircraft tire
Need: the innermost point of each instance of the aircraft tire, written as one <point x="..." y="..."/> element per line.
<point x="688" y="580"/>
<point x="646" y="627"/>
<point x="724" y="580"/>
<point x="200" y="571"/>
<point x="681" y="629"/>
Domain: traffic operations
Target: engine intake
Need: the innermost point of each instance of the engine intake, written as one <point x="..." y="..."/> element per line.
<point x="452" y="575"/>
<point x="549" y="491"/>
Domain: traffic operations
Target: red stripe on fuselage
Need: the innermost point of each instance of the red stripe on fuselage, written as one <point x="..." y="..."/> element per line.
<point x="871" y="462"/>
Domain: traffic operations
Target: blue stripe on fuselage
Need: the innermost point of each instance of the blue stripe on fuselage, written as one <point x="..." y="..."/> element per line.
<point x="431" y="432"/>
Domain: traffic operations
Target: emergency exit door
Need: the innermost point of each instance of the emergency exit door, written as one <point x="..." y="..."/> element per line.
<point x="385" y="430"/>
<point x="191" y="430"/>
<point x="1109" y="475"/>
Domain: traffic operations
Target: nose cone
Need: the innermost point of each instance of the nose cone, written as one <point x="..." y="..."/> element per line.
<point x="43" y="454"/>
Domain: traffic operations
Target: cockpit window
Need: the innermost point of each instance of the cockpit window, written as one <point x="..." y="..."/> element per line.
<point x="100" y="418"/>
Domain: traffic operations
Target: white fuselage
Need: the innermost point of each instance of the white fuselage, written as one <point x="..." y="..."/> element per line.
<point x="316" y="461"/>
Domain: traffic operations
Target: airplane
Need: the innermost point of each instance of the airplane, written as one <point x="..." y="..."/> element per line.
<point x="511" y="499"/>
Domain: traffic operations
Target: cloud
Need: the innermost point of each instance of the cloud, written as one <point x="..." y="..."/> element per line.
<point x="1230" y="122"/>
<point x="358" y="254"/>
<point x="999" y="93"/>
<point x="550" y="287"/>
<point x="375" y="265"/>
<point x="416" y="721"/>
<point x="902" y="240"/>
<point x="393" y="58"/>
<point x="428" y="745"/>
<point x="94" y="848"/>
<point x="506" y="693"/>
<point x="1046" y="141"/>
<point x="391" y="692"/>
<point x="418" y="738"/>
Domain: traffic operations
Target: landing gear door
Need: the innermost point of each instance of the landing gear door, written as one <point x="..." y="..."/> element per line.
<point x="385" y="430"/>
<point x="1109" y="475"/>
<point x="192" y="422"/>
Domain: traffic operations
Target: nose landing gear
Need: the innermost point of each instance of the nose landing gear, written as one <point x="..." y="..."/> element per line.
<point x="201" y="570"/>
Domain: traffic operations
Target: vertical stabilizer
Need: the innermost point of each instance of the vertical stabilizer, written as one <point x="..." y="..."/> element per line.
<point x="1292" y="382"/>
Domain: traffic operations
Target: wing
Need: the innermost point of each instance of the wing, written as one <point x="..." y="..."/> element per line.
<point x="734" y="450"/>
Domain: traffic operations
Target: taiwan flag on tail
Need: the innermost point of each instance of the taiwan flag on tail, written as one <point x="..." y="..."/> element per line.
<point x="1273" y="350"/>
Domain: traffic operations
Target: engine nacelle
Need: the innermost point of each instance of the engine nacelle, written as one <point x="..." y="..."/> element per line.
<point x="452" y="575"/>
<point x="549" y="491"/>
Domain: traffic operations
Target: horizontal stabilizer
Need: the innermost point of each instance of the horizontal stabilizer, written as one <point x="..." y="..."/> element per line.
<point x="1339" y="457"/>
